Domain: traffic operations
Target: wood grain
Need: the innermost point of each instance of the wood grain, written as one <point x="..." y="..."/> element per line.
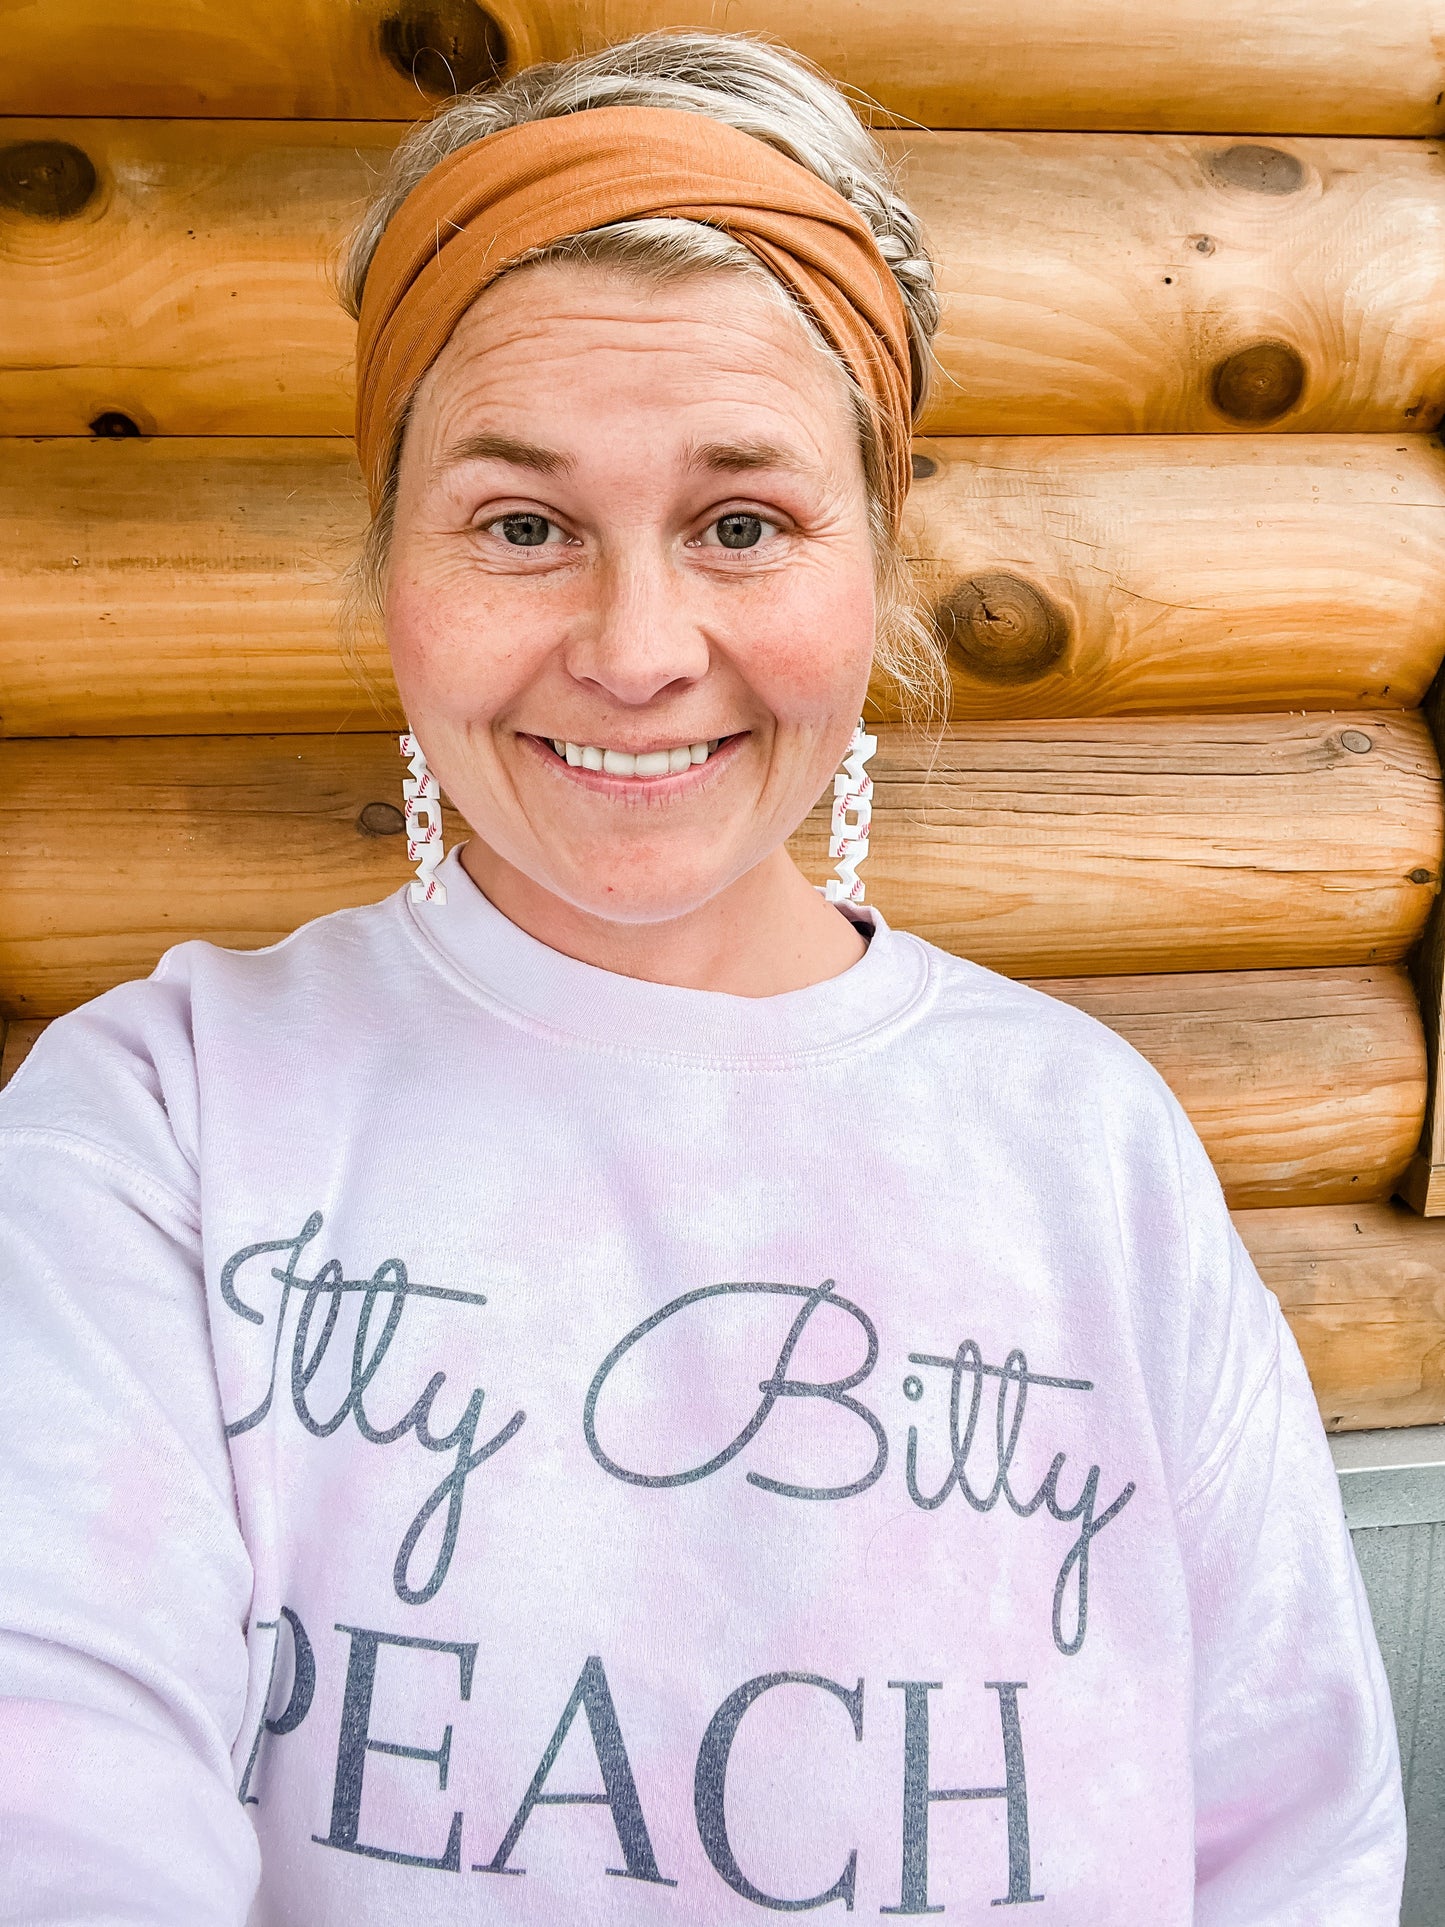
<point x="1326" y="66"/>
<point x="1181" y="843"/>
<point x="1111" y="284"/>
<point x="111" y="850"/>
<point x="1423" y="1184"/>
<point x="1363" y="1288"/>
<point x="1092" y="283"/>
<point x="1059" y="849"/>
<point x="1077" y="575"/>
<point x="1306" y="1086"/>
<point x="16" y="1040"/>
<point x="180" y="585"/>
<point x="191" y="293"/>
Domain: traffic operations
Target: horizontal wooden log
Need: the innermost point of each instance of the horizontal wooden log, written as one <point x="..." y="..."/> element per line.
<point x="179" y="585"/>
<point x="1107" y="284"/>
<point x="112" y="850"/>
<point x="182" y="586"/>
<point x="1423" y="1185"/>
<point x="1324" y="66"/>
<point x="1363" y="1288"/>
<point x="1306" y="1086"/>
<point x="1080" y="575"/>
<point x="174" y="275"/>
<point x="1179" y="843"/>
<point x="1042" y="849"/>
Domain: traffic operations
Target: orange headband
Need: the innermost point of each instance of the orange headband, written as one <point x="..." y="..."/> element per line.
<point x="484" y="207"/>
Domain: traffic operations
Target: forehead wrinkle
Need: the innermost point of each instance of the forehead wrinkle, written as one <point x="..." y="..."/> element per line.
<point x="757" y="328"/>
<point x="478" y="376"/>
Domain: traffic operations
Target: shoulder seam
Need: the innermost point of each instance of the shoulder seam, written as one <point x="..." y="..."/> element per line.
<point x="1220" y="1453"/>
<point x="91" y="1152"/>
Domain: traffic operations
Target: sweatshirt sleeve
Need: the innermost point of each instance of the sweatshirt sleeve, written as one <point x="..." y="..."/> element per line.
<point x="124" y="1580"/>
<point x="1299" y="1815"/>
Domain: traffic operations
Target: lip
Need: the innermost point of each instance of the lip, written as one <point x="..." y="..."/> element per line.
<point x="637" y="787"/>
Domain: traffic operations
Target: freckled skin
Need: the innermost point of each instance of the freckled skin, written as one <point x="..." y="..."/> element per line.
<point x="632" y="625"/>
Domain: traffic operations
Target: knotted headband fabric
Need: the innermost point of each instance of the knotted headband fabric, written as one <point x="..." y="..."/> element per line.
<point x="494" y="201"/>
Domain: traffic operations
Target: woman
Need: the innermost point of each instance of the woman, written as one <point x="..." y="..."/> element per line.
<point x="625" y="1389"/>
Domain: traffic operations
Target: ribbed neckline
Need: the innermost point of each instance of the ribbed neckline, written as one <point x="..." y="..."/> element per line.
<point x="547" y="990"/>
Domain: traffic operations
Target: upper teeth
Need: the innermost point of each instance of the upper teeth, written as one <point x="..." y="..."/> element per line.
<point x="622" y="762"/>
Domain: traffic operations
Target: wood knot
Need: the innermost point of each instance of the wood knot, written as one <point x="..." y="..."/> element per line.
<point x="112" y="426"/>
<point x="1263" y="170"/>
<point x="50" y="180"/>
<point x="1259" y="383"/>
<point x="1357" y="740"/>
<point x="1001" y="628"/>
<point x="924" y="466"/>
<point x="380" y="819"/>
<point x="445" y="46"/>
<point x="1421" y="876"/>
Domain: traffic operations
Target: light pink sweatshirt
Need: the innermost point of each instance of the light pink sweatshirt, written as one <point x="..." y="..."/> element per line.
<point x="485" y="1439"/>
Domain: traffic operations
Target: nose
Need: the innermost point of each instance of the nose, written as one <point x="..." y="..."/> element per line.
<point x="640" y="634"/>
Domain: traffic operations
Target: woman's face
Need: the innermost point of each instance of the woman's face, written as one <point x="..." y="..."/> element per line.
<point x="631" y="519"/>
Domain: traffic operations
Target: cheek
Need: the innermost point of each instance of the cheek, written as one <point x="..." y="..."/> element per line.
<point x="808" y="641"/>
<point x="459" y="643"/>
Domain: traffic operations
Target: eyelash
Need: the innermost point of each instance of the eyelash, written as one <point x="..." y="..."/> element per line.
<point x="493" y="525"/>
<point x="744" y="515"/>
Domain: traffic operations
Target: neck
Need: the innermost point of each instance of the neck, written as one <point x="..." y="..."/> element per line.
<point x="767" y="933"/>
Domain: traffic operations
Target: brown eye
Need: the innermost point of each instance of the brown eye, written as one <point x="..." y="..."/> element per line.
<point x="740" y="531"/>
<point x="524" y="531"/>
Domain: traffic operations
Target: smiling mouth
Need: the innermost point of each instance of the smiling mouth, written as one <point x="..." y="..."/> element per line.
<point x="638" y="765"/>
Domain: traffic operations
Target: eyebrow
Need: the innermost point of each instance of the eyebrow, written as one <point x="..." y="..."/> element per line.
<point x="727" y="458"/>
<point x="506" y="448"/>
<point x="739" y="458"/>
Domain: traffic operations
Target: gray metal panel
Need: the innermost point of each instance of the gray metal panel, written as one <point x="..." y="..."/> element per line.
<point x="1392" y="1478"/>
<point x="1403" y="1567"/>
<point x="1393" y="1484"/>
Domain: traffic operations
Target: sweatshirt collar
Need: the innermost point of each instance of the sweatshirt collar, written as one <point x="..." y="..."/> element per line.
<point x="545" y="989"/>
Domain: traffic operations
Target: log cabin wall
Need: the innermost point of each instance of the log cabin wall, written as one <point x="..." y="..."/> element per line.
<point x="1178" y="513"/>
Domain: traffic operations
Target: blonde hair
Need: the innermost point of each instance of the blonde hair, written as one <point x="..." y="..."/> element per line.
<point x="776" y="97"/>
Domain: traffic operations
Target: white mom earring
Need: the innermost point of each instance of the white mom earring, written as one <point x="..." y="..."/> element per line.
<point x="852" y="791"/>
<point x="423" y="812"/>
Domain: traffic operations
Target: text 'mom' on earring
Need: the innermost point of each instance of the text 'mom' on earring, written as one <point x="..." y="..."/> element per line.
<point x="848" y="845"/>
<point x="423" y="812"/>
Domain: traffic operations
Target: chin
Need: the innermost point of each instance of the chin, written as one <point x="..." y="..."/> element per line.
<point x="651" y="899"/>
